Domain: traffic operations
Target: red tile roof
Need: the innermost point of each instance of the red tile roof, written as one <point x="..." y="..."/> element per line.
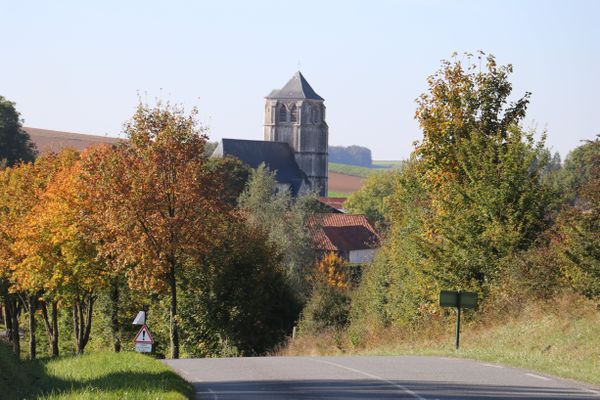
<point x="342" y="232"/>
<point x="334" y="202"/>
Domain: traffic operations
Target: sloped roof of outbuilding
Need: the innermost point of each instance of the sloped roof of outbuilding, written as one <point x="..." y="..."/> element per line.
<point x="297" y="88"/>
<point x="277" y="156"/>
<point x="342" y="232"/>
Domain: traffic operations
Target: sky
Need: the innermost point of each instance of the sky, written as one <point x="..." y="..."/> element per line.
<point x="83" y="66"/>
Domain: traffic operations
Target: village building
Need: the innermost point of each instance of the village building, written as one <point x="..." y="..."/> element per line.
<point x="351" y="237"/>
<point x="295" y="138"/>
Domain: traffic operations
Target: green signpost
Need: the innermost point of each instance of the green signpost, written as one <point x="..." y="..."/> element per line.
<point x="458" y="299"/>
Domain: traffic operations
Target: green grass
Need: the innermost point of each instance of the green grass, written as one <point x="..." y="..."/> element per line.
<point x="353" y="170"/>
<point x="97" y="376"/>
<point x="558" y="338"/>
<point x="337" y="194"/>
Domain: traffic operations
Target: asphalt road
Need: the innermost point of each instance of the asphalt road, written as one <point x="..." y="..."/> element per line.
<point x="402" y="377"/>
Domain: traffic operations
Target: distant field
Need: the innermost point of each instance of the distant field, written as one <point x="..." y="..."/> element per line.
<point x="347" y="169"/>
<point x="341" y="183"/>
<point x="338" y="194"/>
<point x="387" y="163"/>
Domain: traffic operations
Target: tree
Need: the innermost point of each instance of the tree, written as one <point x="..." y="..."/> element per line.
<point x="579" y="224"/>
<point x="460" y="101"/>
<point x="240" y="303"/>
<point x="329" y="303"/>
<point x="156" y="200"/>
<point x="15" y="144"/>
<point x="372" y="200"/>
<point x="275" y="212"/>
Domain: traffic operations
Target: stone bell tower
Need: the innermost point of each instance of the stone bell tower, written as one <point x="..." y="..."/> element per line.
<point x="295" y="114"/>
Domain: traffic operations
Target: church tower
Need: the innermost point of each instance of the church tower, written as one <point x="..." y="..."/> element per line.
<point x="295" y="115"/>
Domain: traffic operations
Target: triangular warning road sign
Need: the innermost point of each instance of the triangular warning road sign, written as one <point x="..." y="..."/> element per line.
<point x="143" y="336"/>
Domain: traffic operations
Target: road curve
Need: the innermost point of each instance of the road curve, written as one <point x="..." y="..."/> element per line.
<point x="398" y="377"/>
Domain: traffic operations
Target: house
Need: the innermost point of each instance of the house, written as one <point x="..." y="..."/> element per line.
<point x="352" y="237"/>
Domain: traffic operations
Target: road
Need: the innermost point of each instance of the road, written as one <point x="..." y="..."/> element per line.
<point x="401" y="377"/>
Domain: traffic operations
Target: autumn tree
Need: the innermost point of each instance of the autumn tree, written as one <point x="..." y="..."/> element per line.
<point x="156" y="200"/>
<point x="329" y="303"/>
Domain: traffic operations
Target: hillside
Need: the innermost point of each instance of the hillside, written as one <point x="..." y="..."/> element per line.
<point x="50" y="140"/>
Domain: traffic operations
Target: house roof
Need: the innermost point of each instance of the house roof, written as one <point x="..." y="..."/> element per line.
<point x="277" y="156"/>
<point x="296" y="88"/>
<point x="337" y="203"/>
<point x="342" y="232"/>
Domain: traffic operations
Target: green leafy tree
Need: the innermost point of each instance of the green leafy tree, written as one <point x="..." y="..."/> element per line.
<point x="15" y="144"/>
<point x="578" y="225"/>
<point x="275" y="212"/>
<point x="240" y="302"/>
<point x="374" y="197"/>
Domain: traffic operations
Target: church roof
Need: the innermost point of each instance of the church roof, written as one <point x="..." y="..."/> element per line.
<point x="277" y="156"/>
<point x="296" y="88"/>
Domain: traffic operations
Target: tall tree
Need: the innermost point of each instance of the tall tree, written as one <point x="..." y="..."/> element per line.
<point x="275" y="212"/>
<point x="15" y="144"/>
<point x="157" y="200"/>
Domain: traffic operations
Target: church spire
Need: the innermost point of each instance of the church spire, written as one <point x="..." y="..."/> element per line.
<point x="297" y="88"/>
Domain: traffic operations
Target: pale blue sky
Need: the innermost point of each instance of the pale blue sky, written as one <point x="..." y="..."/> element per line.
<point x="78" y="65"/>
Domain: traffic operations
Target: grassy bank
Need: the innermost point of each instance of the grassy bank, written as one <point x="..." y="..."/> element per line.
<point x="559" y="338"/>
<point x="97" y="376"/>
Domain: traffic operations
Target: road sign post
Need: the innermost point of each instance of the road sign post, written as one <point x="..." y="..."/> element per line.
<point x="458" y="300"/>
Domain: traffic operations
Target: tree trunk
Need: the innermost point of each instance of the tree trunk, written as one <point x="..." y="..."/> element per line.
<point x="82" y="321"/>
<point x="173" y="325"/>
<point x="114" y="317"/>
<point x="14" y="325"/>
<point x="51" y="326"/>
<point x="32" y="305"/>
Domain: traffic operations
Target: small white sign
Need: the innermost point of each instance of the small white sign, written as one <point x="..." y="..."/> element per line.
<point x="140" y="319"/>
<point x="143" y="347"/>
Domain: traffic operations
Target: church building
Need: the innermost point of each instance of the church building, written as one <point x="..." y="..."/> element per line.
<point x="295" y="139"/>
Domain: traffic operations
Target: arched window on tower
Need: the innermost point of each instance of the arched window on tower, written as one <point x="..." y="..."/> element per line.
<point x="315" y="115"/>
<point x="282" y="113"/>
<point x="294" y="113"/>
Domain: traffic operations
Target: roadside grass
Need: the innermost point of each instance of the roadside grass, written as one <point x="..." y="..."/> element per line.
<point x="352" y="170"/>
<point x="558" y="338"/>
<point x="98" y="376"/>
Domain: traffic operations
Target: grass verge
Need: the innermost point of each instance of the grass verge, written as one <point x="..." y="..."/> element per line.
<point x="97" y="376"/>
<point x="559" y="338"/>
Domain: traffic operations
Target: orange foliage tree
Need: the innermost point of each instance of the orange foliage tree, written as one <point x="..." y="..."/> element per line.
<point x="156" y="202"/>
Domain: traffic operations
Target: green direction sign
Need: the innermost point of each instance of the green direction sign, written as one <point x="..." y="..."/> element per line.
<point x="459" y="300"/>
<point x="450" y="298"/>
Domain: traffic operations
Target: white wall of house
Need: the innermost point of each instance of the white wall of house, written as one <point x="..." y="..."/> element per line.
<point x="361" y="256"/>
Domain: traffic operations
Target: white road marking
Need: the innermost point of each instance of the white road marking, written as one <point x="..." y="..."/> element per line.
<point x="493" y="366"/>
<point x="403" y="388"/>
<point x="591" y="391"/>
<point x="539" y="377"/>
